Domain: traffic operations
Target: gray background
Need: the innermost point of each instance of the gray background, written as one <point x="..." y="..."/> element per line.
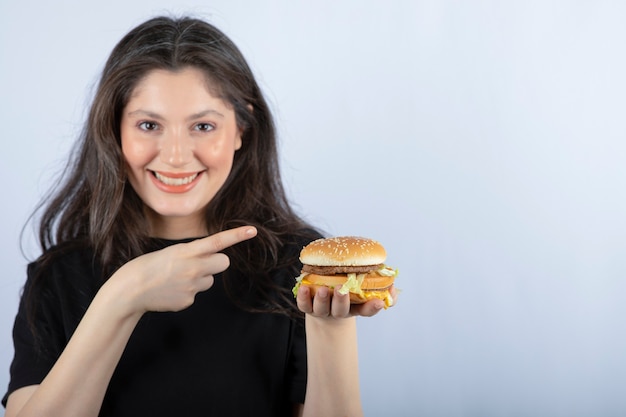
<point x="482" y="142"/>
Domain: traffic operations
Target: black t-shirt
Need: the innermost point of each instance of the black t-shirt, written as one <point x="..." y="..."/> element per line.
<point x="211" y="359"/>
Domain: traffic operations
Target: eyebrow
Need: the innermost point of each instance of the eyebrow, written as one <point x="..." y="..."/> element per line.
<point x="157" y="116"/>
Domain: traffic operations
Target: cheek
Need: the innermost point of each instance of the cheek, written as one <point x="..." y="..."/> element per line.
<point x="137" y="153"/>
<point x="218" y="154"/>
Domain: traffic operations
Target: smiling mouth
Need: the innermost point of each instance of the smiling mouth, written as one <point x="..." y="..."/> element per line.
<point x="175" y="180"/>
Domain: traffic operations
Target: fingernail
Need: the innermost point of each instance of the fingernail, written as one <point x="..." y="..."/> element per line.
<point x="251" y="231"/>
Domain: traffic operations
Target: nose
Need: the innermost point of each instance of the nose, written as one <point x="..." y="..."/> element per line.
<point x="176" y="148"/>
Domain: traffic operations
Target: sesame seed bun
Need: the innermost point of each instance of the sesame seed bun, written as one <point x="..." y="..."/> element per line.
<point x="343" y="251"/>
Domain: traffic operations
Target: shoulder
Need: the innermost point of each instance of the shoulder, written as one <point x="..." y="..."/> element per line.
<point x="64" y="255"/>
<point x="59" y="287"/>
<point x="294" y="242"/>
<point x="289" y="264"/>
<point x="63" y="267"/>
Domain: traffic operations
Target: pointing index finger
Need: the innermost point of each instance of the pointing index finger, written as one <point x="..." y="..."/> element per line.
<point x="222" y="240"/>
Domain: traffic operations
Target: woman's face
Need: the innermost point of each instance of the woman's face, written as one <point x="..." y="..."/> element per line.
<point x="179" y="142"/>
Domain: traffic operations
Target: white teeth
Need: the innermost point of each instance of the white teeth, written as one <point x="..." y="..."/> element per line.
<point x="175" y="181"/>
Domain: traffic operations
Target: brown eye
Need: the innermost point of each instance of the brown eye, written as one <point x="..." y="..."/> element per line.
<point x="204" y="127"/>
<point x="148" y="126"/>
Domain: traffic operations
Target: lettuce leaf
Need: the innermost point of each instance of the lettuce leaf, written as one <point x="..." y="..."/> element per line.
<point x="294" y="290"/>
<point x="353" y="284"/>
<point x="387" y="271"/>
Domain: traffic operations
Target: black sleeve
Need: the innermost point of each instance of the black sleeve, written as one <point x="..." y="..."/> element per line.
<point x="297" y="368"/>
<point x="35" y="352"/>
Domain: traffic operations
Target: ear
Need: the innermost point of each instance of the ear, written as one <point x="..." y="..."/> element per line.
<point x="238" y="141"/>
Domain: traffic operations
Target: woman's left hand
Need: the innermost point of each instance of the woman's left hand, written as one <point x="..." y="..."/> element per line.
<point x="331" y="304"/>
<point x="332" y="350"/>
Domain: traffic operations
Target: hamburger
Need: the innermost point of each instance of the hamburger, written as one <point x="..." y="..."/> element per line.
<point x="356" y="264"/>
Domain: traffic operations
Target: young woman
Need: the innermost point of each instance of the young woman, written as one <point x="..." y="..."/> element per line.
<point x="169" y="253"/>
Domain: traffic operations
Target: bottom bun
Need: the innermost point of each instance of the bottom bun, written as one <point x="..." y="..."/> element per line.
<point x="365" y="296"/>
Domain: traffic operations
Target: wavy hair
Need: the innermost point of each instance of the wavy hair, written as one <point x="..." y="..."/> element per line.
<point x="95" y="204"/>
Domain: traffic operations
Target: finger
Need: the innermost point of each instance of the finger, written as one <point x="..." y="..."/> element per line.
<point x="321" y="302"/>
<point x="340" y="304"/>
<point x="222" y="240"/>
<point x="205" y="283"/>
<point x="303" y="299"/>
<point x="214" y="263"/>
<point x="394" y="294"/>
<point x="367" y="309"/>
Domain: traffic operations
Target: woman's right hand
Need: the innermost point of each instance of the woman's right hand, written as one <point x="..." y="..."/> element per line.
<point x="169" y="279"/>
<point x="166" y="280"/>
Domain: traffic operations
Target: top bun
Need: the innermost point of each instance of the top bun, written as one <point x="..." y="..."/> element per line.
<point x="343" y="251"/>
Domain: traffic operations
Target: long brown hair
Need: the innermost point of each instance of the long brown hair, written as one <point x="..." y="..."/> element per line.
<point x="95" y="204"/>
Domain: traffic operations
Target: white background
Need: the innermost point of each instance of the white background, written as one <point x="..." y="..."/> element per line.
<point x="482" y="142"/>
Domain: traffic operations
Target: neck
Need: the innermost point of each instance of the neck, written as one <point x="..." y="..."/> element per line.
<point x="175" y="228"/>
